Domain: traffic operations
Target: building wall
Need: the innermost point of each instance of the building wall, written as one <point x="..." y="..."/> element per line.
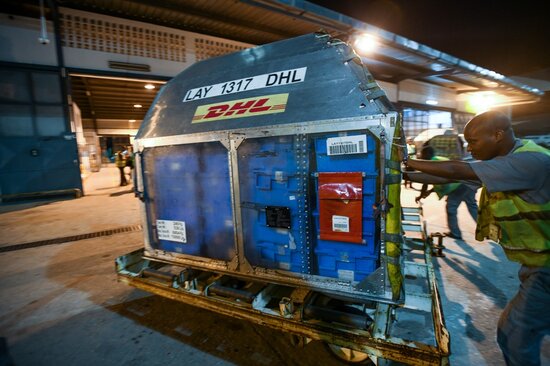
<point x="38" y="150"/>
<point x="19" y="40"/>
<point x="94" y="41"/>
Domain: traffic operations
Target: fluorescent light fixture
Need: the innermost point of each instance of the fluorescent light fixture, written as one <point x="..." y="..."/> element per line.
<point x="432" y="102"/>
<point x="366" y="43"/>
<point x="137" y="106"/>
<point x="131" y="120"/>
<point x="149" y="86"/>
<point x="117" y="78"/>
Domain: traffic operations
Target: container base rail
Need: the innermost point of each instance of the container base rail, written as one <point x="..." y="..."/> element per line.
<point x="354" y="330"/>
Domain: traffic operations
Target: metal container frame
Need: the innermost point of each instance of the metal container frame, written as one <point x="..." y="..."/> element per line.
<point x="375" y="287"/>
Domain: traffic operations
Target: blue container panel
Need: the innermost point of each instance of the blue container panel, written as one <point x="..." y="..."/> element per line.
<point x="190" y="183"/>
<point x="342" y="259"/>
<point x="349" y="162"/>
<point x="369" y="247"/>
<point x="268" y="177"/>
<point x="359" y="258"/>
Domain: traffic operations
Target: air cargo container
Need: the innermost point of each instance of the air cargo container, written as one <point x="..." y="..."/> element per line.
<point x="270" y="191"/>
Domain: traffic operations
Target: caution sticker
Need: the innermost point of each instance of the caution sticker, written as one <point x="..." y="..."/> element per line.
<point x="171" y="230"/>
<point x="266" y="104"/>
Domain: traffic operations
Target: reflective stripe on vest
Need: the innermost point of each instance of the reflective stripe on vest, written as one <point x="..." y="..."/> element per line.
<point x="521" y="228"/>
<point x="443" y="190"/>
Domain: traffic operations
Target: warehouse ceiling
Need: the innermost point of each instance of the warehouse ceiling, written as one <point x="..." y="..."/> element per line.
<point x="264" y="21"/>
<point x="111" y="98"/>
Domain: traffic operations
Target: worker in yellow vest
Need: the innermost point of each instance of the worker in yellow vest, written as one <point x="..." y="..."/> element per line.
<point x="515" y="212"/>
<point x="455" y="192"/>
<point x="120" y="163"/>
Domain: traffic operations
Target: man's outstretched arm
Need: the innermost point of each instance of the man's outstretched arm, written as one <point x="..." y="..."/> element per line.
<point x="455" y="170"/>
<point x="420" y="177"/>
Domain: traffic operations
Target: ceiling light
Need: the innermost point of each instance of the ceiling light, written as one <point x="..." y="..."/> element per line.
<point x="481" y="101"/>
<point x="137" y="106"/>
<point x="149" y="86"/>
<point x="366" y="43"/>
<point x="131" y="120"/>
<point x="432" y="102"/>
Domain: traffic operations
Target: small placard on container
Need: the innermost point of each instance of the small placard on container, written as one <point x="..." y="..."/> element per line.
<point x="346" y="275"/>
<point x="347" y="145"/>
<point x="340" y="224"/>
<point x="278" y="217"/>
<point x="171" y="230"/>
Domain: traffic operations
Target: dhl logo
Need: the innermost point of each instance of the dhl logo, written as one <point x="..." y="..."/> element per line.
<point x="267" y="104"/>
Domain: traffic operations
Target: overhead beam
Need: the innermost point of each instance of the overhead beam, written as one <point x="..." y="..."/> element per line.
<point x="258" y="29"/>
<point x="423" y="75"/>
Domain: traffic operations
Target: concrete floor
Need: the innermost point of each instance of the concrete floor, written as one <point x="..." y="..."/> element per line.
<point x="62" y="305"/>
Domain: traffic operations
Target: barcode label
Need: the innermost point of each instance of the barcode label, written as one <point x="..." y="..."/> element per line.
<point x="347" y="145"/>
<point x="340" y="224"/>
<point x="342" y="149"/>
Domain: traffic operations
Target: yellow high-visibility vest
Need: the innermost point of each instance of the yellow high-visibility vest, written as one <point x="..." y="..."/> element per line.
<point x="521" y="228"/>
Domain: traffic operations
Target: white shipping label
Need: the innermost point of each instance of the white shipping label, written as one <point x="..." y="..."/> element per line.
<point x="340" y="224"/>
<point x="171" y="230"/>
<point x="277" y="78"/>
<point x="345" y="274"/>
<point x="347" y="145"/>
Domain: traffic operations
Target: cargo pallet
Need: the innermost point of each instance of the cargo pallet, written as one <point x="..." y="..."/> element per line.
<point x="410" y="333"/>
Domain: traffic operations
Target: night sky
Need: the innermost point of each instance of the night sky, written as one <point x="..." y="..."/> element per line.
<point x="511" y="37"/>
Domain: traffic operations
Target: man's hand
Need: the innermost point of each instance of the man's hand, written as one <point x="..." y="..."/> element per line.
<point x="423" y="195"/>
<point x="401" y="151"/>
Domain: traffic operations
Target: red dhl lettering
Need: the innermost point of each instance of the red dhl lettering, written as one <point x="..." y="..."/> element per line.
<point x="251" y="106"/>
<point x="265" y="104"/>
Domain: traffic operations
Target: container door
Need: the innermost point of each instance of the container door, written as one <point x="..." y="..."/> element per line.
<point x="188" y="200"/>
<point x="272" y="200"/>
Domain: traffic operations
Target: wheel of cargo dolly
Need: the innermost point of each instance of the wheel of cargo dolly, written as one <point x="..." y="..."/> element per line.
<point x="349" y="355"/>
